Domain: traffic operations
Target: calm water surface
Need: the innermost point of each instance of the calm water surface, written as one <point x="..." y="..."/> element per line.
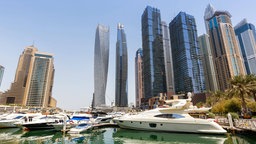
<point x="117" y="136"/>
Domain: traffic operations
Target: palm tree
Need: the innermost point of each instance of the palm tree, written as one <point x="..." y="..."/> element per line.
<point x="252" y="79"/>
<point x="241" y="87"/>
<point x="215" y="97"/>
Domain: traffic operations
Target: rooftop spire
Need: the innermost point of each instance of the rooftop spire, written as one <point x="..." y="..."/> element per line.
<point x="209" y="11"/>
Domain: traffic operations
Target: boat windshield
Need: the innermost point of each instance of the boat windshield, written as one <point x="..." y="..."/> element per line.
<point x="80" y="118"/>
<point x="18" y="117"/>
<point x="171" y="116"/>
<point x="82" y="125"/>
<point x="49" y="117"/>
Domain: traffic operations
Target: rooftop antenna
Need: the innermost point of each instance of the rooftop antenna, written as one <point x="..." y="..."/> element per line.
<point x="33" y="43"/>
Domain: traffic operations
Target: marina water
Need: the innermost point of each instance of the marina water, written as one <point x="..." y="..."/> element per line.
<point x="117" y="136"/>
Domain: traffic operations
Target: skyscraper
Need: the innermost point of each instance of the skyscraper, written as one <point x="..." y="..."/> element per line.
<point x="121" y="99"/>
<point x="208" y="65"/>
<point x="33" y="81"/>
<point x="41" y="80"/>
<point x="168" y="58"/>
<point x="101" y="56"/>
<point x="246" y="37"/>
<point x="153" y="56"/>
<point x="1" y="74"/>
<point x="187" y="63"/>
<point x="139" y="90"/>
<point x="225" y="51"/>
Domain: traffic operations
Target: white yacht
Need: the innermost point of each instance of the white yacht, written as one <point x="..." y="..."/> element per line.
<point x="42" y="122"/>
<point x="75" y="120"/>
<point x="9" y="120"/>
<point x="83" y="127"/>
<point x="170" y="119"/>
<point x="103" y="119"/>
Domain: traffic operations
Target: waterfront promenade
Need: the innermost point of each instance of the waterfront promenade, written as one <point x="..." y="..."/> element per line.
<point x="239" y="125"/>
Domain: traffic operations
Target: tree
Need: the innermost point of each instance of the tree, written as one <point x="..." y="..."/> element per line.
<point x="241" y="87"/>
<point x="252" y="79"/>
<point x="233" y="105"/>
<point x="252" y="106"/>
<point x="219" y="108"/>
<point x="215" y="97"/>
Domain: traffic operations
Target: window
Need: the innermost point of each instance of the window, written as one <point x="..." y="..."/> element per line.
<point x="153" y="125"/>
<point x="171" y="116"/>
<point x="10" y="100"/>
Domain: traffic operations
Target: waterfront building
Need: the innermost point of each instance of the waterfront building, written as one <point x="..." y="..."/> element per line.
<point x="168" y="59"/>
<point x="121" y="99"/>
<point x="153" y="56"/>
<point x="246" y="37"/>
<point x="208" y="65"/>
<point x="33" y="81"/>
<point x="139" y="90"/>
<point x="187" y="63"/>
<point x="225" y="50"/>
<point x="1" y="74"/>
<point x="101" y="57"/>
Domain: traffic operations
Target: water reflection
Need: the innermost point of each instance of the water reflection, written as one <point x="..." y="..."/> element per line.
<point x="250" y="139"/>
<point x="10" y="135"/>
<point x="131" y="136"/>
<point x="117" y="136"/>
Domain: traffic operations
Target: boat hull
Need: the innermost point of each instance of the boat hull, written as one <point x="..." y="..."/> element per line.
<point x="8" y="124"/>
<point x="172" y="126"/>
<point x="77" y="129"/>
<point x="61" y="125"/>
<point x="38" y="126"/>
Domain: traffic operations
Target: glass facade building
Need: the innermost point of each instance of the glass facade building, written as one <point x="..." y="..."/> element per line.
<point x="153" y="55"/>
<point x="101" y="58"/>
<point x="168" y="58"/>
<point x="139" y="91"/>
<point x="225" y="50"/>
<point x="121" y="99"/>
<point x="187" y="63"/>
<point x="1" y="74"/>
<point x="209" y="71"/>
<point x="246" y="37"/>
<point x="33" y="82"/>
<point x="41" y="81"/>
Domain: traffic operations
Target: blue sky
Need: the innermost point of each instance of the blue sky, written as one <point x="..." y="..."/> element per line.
<point x="67" y="29"/>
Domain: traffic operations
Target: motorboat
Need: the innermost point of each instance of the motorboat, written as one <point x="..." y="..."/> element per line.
<point x="40" y="123"/>
<point x="103" y="119"/>
<point x="174" y="118"/>
<point x="83" y="127"/>
<point x="9" y="120"/>
<point x="75" y="120"/>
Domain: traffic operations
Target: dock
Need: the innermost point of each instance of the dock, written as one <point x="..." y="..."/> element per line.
<point x="239" y="125"/>
<point x="104" y="125"/>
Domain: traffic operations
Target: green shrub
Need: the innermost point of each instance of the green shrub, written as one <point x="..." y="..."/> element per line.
<point x="234" y="115"/>
<point x="252" y="106"/>
<point x="233" y="105"/>
<point x="211" y="115"/>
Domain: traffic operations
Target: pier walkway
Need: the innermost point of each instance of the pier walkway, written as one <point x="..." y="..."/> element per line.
<point x="239" y="124"/>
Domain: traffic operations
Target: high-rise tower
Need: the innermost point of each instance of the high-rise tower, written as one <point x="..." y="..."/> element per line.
<point x="187" y="63"/>
<point x="153" y="55"/>
<point x="246" y="36"/>
<point x="1" y="74"/>
<point x="209" y="71"/>
<point x="168" y="59"/>
<point x="121" y="99"/>
<point x="225" y="51"/>
<point x="139" y="90"/>
<point x="101" y="56"/>
<point x="33" y="81"/>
